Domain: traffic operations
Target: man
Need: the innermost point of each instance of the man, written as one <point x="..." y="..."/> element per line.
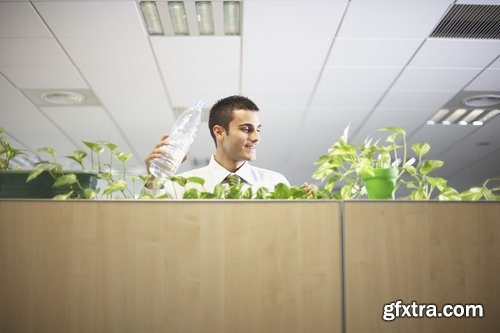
<point x="234" y="125"/>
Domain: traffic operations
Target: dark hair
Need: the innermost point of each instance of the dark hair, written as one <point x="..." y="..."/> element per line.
<point x="221" y="112"/>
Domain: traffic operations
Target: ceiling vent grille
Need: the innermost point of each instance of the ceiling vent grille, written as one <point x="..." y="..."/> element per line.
<point x="470" y="21"/>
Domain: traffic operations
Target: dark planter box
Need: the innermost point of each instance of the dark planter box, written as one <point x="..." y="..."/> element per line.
<point x="13" y="184"/>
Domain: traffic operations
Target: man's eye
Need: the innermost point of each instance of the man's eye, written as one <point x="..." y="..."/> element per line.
<point x="245" y="129"/>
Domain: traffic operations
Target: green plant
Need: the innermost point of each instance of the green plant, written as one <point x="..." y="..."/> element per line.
<point x="489" y="190"/>
<point x="421" y="185"/>
<point x="224" y="191"/>
<point x="346" y="165"/>
<point x="104" y="158"/>
<point x="7" y="152"/>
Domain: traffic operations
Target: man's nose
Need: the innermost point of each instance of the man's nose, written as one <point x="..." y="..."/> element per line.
<point x="255" y="136"/>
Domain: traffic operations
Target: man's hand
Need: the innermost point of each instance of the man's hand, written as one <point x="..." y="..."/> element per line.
<point x="310" y="190"/>
<point x="157" y="151"/>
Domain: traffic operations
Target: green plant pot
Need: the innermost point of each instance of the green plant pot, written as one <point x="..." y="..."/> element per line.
<point x="382" y="184"/>
<point x="13" y="184"/>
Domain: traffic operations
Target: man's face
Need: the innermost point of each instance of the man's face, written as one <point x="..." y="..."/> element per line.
<point x="240" y="142"/>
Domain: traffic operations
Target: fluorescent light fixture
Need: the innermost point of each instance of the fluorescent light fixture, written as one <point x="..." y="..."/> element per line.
<point x="471" y="116"/>
<point x="205" y="17"/>
<point x="152" y="17"/>
<point x="438" y="116"/>
<point x="178" y="17"/>
<point x="454" y="116"/>
<point x="232" y="17"/>
<point x="488" y="116"/>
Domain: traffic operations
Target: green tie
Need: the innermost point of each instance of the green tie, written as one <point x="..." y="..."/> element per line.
<point x="233" y="179"/>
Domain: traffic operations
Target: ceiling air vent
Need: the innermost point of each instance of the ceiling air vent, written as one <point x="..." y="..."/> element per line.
<point x="470" y="21"/>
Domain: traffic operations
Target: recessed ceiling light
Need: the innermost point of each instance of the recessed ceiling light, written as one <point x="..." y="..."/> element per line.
<point x="63" y="97"/>
<point x="482" y="101"/>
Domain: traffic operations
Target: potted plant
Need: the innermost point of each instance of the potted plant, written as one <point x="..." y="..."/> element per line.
<point x="378" y="170"/>
<point x="44" y="177"/>
<point x="38" y="179"/>
<point x="370" y="168"/>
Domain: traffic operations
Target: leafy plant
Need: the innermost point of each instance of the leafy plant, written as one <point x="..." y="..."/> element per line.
<point x="7" y="152"/>
<point x="239" y="191"/>
<point x="423" y="186"/>
<point x="116" y="182"/>
<point x="490" y="190"/>
<point x="346" y="165"/>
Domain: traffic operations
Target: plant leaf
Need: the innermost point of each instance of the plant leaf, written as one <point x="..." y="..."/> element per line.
<point x="430" y="165"/>
<point x="196" y="180"/>
<point x="63" y="196"/>
<point x="33" y="174"/>
<point x="281" y="191"/>
<point x="119" y="185"/>
<point x="65" y="180"/>
<point x="421" y="148"/>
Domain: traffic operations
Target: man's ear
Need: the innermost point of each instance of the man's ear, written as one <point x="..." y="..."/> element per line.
<point x="219" y="132"/>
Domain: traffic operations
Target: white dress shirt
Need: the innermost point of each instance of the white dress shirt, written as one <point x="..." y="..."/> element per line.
<point x="214" y="174"/>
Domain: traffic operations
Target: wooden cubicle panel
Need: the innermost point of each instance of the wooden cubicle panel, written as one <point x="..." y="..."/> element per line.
<point x="169" y="266"/>
<point x="424" y="252"/>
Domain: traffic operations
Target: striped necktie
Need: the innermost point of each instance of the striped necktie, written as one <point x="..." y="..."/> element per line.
<point x="233" y="179"/>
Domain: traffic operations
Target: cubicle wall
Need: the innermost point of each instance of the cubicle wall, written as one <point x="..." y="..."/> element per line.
<point x="245" y="266"/>
<point x="169" y="266"/>
<point x="428" y="252"/>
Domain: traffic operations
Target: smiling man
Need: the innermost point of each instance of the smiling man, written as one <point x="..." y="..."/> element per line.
<point x="234" y="124"/>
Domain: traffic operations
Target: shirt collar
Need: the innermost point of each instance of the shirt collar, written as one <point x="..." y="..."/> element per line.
<point x="219" y="173"/>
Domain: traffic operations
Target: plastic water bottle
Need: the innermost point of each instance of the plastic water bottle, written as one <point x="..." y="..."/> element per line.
<point x="181" y="136"/>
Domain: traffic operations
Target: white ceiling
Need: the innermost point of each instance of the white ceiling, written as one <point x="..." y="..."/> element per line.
<point x="311" y="66"/>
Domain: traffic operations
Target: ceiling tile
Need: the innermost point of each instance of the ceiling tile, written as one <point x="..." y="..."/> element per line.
<point x="345" y="79"/>
<point x="292" y="18"/>
<point x="489" y="80"/>
<point x="20" y="20"/>
<point x="107" y="77"/>
<point x="441" y="138"/>
<point x="92" y="18"/>
<point x="495" y="64"/>
<point x="199" y="68"/>
<point x="285" y="52"/>
<point x="446" y="53"/>
<point x="392" y="19"/>
<point x="416" y="99"/>
<point x="21" y="51"/>
<point x="11" y="97"/>
<point x="291" y="86"/>
<point x="116" y="52"/>
<point x="471" y="148"/>
<point x="41" y="77"/>
<point x="434" y="79"/>
<point x="86" y="123"/>
<point x="34" y="130"/>
<point x="372" y="52"/>
<point x="345" y="100"/>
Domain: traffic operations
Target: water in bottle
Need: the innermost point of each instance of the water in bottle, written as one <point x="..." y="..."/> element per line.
<point x="181" y="136"/>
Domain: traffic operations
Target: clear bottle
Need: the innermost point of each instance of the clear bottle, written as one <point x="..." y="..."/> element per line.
<point x="181" y="136"/>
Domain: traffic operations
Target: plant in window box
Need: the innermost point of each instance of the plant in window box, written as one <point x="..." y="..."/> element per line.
<point x="115" y="180"/>
<point x="27" y="180"/>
